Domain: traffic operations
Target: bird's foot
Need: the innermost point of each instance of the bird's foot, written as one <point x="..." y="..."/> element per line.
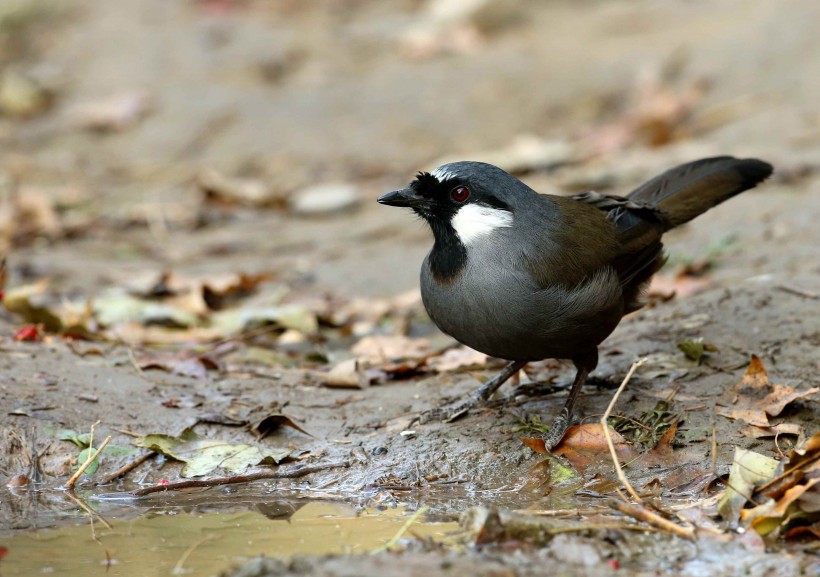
<point x="449" y="414"/>
<point x="480" y="396"/>
<point x="556" y="432"/>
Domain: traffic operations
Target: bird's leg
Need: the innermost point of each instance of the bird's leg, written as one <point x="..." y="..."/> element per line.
<point x="583" y="365"/>
<point x="480" y="395"/>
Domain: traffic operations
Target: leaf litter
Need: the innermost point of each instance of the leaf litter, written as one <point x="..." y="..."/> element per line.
<point x="754" y="399"/>
<point x="202" y="456"/>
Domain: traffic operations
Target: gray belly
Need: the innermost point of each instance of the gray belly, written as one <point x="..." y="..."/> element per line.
<point x="507" y="315"/>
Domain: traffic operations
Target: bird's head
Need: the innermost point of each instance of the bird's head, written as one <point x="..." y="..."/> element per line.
<point x="470" y="199"/>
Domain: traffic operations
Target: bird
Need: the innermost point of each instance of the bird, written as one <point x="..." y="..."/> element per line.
<point x="524" y="276"/>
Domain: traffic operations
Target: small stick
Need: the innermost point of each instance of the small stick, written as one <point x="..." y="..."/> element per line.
<point x="605" y="427"/>
<point x="91" y="512"/>
<point x="641" y="513"/>
<point x="714" y="446"/>
<point x="73" y="480"/>
<point x="395" y="539"/>
<point x="177" y="570"/>
<point x="128" y="467"/>
<point x="799" y="292"/>
<point x="558" y="512"/>
<point x="293" y="473"/>
<point x="135" y="364"/>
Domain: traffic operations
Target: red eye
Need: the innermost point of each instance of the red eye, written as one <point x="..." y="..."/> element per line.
<point x="460" y="193"/>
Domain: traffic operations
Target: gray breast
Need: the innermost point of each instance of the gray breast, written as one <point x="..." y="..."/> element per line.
<point x="494" y="306"/>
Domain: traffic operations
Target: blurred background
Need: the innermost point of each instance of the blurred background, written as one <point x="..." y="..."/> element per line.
<point x="254" y="135"/>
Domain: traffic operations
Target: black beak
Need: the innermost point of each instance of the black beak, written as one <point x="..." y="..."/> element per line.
<point x="404" y="197"/>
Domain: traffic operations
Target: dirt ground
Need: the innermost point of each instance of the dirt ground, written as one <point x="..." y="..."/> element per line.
<point x="147" y="124"/>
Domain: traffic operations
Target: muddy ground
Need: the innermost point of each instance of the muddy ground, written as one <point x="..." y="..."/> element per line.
<point x="292" y="95"/>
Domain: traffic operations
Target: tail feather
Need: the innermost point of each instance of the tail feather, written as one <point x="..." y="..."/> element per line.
<point x="682" y="193"/>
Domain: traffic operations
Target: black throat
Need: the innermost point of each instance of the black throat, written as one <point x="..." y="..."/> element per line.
<point x="449" y="255"/>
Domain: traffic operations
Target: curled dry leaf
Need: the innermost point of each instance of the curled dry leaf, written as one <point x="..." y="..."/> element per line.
<point x="233" y="190"/>
<point x="458" y="358"/>
<point x="377" y="349"/>
<point x="786" y="500"/>
<point x="754" y="399"/>
<point x="184" y="363"/>
<point x="270" y="423"/>
<point x="749" y="469"/>
<point x="346" y="374"/>
<point x="219" y="293"/>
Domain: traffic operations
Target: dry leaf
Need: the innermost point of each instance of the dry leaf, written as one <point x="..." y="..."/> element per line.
<point x="585" y="445"/>
<point x="377" y="349"/>
<point x="456" y="359"/>
<point x="749" y="469"/>
<point x="346" y="374"/>
<point x="184" y="363"/>
<point x="754" y="399"/>
<point x="272" y="422"/>
<point x="230" y="190"/>
<point x="666" y="287"/>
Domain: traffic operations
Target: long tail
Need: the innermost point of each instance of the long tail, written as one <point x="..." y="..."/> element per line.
<point x="682" y="193"/>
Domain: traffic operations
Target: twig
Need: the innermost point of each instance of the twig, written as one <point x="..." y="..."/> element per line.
<point x="407" y="524"/>
<point x="128" y="467"/>
<point x="624" y="481"/>
<point x="73" y="480"/>
<point x="91" y="512"/>
<point x="714" y="445"/>
<point x="641" y="513"/>
<point x="559" y="512"/>
<point x="295" y="472"/>
<point x="177" y="570"/>
<point x="785" y="474"/>
<point x="799" y="292"/>
<point x="135" y="364"/>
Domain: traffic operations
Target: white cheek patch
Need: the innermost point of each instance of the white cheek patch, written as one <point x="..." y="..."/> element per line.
<point x="474" y="221"/>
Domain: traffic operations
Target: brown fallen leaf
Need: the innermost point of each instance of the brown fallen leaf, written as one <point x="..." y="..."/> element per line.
<point x="456" y="359"/>
<point x="377" y="349"/>
<point x="347" y="374"/>
<point x="227" y="190"/>
<point x="219" y="293"/>
<point x="664" y="447"/>
<point x="584" y="445"/>
<point x="754" y="399"/>
<point x="774" y="431"/>
<point x="272" y="422"/>
<point x="664" y="287"/>
<point x="183" y="363"/>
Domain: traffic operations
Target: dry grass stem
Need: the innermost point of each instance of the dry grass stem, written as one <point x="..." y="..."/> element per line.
<point x="127" y="468"/>
<point x="73" y="480"/>
<point x="621" y="477"/>
<point x="641" y="513"/>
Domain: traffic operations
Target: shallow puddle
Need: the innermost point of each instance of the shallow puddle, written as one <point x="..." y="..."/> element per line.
<point x="186" y="539"/>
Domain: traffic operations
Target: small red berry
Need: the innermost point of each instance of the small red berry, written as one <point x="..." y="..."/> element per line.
<point x="28" y="333"/>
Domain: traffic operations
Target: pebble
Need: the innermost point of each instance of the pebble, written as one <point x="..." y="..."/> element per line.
<point x="325" y="199"/>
